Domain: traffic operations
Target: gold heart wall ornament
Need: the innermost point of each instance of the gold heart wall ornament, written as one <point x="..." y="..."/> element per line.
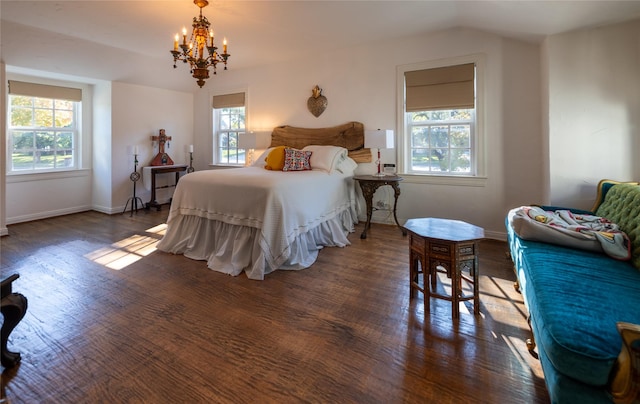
<point x="317" y="103"/>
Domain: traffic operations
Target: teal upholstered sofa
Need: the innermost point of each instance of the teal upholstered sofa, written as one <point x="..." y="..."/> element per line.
<point x="584" y="307"/>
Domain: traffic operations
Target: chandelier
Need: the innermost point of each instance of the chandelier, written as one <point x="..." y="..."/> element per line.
<point x="193" y="52"/>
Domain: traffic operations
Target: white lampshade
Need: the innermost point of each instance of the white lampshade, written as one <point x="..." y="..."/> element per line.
<point x="263" y="139"/>
<point x="379" y="139"/>
<point x="254" y="140"/>
<point x="247" y="140"/>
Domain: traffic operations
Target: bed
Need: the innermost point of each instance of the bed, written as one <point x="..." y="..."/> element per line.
<point x="255" y="220"/>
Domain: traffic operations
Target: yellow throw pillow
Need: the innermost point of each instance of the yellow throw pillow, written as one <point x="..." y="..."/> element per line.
<point x="275" y="159"/>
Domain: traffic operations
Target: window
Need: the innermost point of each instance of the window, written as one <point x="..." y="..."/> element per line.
<point x="441" y="141"/>
<point x="43" y="128"/>
<point x="229" y="115"/>
<point x="440" y="105"/>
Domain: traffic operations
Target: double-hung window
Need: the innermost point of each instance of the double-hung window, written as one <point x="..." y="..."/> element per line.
<point x="229" y="123"/>
<point x="43" y="127"/>
<point x="441" y="135"/>
<point x="441" y="141"/>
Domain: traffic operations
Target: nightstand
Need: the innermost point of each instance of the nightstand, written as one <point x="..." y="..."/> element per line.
<point x="369" y="184"/>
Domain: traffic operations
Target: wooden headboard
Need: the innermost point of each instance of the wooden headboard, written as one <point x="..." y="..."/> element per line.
<point x="349" y="135"/>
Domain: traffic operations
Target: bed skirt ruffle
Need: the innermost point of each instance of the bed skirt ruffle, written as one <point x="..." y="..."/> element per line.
<point x="232" y="249"/>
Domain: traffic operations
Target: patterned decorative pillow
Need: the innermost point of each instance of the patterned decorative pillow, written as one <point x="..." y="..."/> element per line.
<point x="296" y="160"/>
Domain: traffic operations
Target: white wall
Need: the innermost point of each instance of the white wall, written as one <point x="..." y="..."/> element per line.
<point x="594" y="110"/>
<point x="3" y="159"/>
<point x="101" y="181"/>
<point x="360" y="85"/>
<point x="123" y="115"/>
<point x="138" y="113"/>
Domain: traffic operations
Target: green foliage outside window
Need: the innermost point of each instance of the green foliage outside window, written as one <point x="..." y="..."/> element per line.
<point x="441" y="141"/>
<point x="42" y="133"/>
<point x="231" y="124"/>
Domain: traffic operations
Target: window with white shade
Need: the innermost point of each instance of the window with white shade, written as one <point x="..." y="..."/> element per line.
<point x="43" y="129"/>
<point x="229" y="122"/>
<point x="441" y="134"/>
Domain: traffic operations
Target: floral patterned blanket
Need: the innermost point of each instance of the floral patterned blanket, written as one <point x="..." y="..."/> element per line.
<point x="570" y="229"/>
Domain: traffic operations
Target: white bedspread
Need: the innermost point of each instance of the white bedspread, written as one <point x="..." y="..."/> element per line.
<point x="280" y="211"/>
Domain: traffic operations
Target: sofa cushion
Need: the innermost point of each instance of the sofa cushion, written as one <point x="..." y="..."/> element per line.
<point x="622" y="206"/>
<point x="563" y="389"/>
<point x="575" y="298"/>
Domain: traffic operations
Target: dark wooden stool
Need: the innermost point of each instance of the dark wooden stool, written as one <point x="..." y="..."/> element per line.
<point x="443" y="246"/>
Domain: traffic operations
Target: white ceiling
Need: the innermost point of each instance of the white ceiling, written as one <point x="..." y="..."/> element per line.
<point x="104" y="39"/>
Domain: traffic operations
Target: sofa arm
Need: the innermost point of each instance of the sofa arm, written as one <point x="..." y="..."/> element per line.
<point x="624" y="384"/>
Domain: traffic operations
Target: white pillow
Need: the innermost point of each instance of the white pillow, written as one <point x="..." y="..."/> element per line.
<point x="326" y="158"/>
<point x="260" y="161"/>
<point x="346" y="165"/>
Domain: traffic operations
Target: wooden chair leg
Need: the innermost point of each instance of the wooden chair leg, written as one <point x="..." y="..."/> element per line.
<point x="624" y="384"/>
<point x="531" y="342"/>
<point x="13" y="307"/>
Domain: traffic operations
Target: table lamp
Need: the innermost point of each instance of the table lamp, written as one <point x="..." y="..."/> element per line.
<point x="379" y="139"/>
<point x="252" y="140"/>
<point x="247" y="141"/>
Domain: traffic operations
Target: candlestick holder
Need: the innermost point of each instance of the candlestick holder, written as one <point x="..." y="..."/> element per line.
<point x="134" y="177"/>
<point x="190" y="169"/>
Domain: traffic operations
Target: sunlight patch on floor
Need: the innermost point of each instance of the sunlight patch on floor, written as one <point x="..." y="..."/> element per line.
<point x="124" y="252"/>
<point x="160" y="229"/>
<point x="525" y="361"/>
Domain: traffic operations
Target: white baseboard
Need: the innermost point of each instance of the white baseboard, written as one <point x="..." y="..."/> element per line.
<point x="385" y="217"/>
<point x="4" y="231"/>
<point x="47" y="214"/>
<point x="60" y="212"/>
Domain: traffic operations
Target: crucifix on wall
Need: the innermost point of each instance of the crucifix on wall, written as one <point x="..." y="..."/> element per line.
<point x="162" y="158"/>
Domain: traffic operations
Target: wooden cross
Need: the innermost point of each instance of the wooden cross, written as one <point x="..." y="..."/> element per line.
<point x="162" y="138"/>
<point x="162" y="158"/>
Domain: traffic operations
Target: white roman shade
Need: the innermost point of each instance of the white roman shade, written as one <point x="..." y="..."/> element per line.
<point x="228" y="100"/>
<point x="44" y="91"/>
<point x="450" y="87"/>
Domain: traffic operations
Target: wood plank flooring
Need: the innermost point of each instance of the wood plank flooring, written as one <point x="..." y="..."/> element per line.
<point x="112" y="320"/>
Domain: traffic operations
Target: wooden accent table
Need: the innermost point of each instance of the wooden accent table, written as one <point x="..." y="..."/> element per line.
<point x="155" y="170"/>
<point x="444" y="246"/>
<point x="369" y="184"/>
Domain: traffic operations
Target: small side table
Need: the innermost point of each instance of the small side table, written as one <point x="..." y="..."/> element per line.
<point x="444" y="246"/>
<point x="155" y="170"/>
<point x="369" y="184"/>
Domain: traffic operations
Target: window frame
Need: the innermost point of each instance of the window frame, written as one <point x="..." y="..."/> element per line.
<point x="218" y="132"/>
<point x="449" y="123"/>
<point x="223" y="100"/>
<point x="83" y="157"/>
<point x="478" y="175"/>
<point x="75" y="129"/>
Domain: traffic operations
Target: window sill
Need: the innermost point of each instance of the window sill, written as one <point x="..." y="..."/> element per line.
<point x="464" y="181"/>
<point x="49" y="175"/>
<point x="225" y="166"/>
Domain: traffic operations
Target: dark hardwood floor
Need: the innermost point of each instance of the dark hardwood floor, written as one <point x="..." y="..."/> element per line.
<point x="112" y="320"/>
